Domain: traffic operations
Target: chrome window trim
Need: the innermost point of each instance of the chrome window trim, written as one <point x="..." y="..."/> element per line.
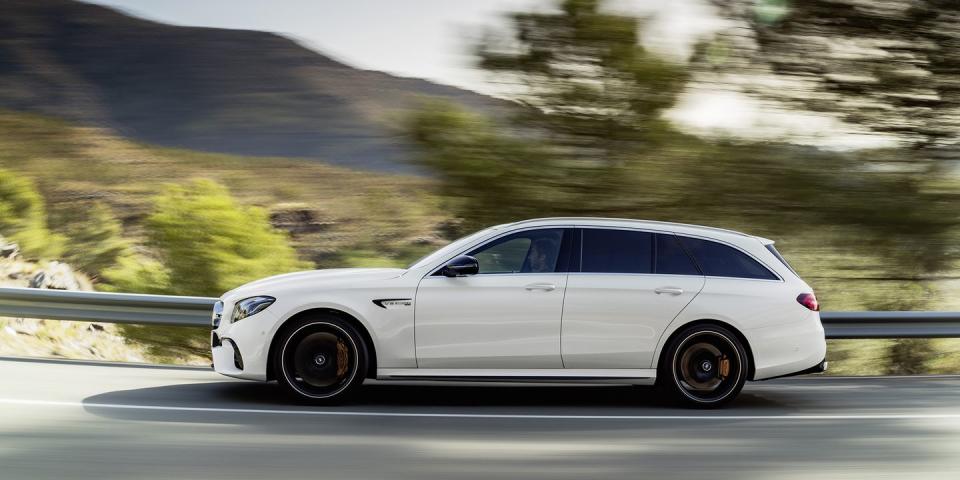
<point x="433" y="270"/>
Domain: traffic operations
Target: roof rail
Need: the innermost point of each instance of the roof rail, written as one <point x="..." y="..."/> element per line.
<point x="657" y="222"/>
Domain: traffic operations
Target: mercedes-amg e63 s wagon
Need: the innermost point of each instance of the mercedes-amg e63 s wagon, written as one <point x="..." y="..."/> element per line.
<point x="695" y="310"/>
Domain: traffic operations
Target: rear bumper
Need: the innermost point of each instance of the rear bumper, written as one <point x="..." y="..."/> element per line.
<point x="788" y="349"/>
<point x="818" y="368"/>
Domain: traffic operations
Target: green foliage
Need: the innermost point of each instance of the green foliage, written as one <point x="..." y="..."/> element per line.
<point x="94" y="236"/>
<point x="23" y="217"/>
<point x="138" y="274"/>
<point x="205" y="243"/>
<point x="208" y="244"/>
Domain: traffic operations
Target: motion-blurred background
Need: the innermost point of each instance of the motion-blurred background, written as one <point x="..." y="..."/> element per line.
<point x="144" y="150"/>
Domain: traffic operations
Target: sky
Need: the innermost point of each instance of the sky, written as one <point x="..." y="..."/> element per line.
<point x="414" y="38"/>
<point x="430" y="39"/>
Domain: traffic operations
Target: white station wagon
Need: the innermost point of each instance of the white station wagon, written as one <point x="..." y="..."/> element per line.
<point x="697" y="311"/>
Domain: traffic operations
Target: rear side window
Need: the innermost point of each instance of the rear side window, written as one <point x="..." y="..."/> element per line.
<point x="719" y="260"/>
<point x="671" y="259"/>
<point x="617" y="251"/>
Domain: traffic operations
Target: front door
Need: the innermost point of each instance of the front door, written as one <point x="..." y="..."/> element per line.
<point x="507" y="316"/>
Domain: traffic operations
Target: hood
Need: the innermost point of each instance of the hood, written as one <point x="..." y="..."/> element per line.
<point x="314" y="278"/>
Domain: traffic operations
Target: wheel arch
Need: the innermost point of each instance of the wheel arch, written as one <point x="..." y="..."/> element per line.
<point x="662" y="351"/>
<point x="352" y="320"/>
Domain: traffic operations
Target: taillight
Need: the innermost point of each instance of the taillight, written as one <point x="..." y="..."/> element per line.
<point x="809" y="300"/>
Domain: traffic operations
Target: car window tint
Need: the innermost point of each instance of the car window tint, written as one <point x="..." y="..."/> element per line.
<point x="532" y="251"/>
<point x="719" y="260"/>
<point x="671" y="258"/>
<point x="616" y="251"/>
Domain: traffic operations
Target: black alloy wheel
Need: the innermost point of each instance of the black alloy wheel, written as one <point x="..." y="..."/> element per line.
<point x="320" y="360"/>
<point x="704" y="366"/>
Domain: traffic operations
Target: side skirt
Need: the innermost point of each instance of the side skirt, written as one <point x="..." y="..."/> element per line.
<point x="631" y="376"/>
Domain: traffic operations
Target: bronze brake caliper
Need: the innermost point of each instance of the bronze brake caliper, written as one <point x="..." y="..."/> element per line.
<point x="343" y="359"/>
<point x="724" y="367"/>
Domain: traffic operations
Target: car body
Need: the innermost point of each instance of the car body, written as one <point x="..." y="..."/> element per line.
<point x="571" y="299"/>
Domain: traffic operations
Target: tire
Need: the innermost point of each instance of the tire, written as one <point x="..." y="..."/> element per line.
<point x="320" y="360"/>
<point x="705" y="366"/>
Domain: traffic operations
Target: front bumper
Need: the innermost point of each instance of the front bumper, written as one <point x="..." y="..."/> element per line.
<point x="241" y="349"/>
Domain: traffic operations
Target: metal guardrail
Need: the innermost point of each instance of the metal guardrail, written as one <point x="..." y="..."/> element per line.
<point x="891" y="324"/>
<point x="106" y="307"/>
<point x="195" y="312"/>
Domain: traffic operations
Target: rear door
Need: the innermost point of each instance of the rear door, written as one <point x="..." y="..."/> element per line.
<point x="630" y="285"/>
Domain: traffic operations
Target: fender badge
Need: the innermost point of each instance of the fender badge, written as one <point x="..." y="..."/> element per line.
<point x="393" y="302"/>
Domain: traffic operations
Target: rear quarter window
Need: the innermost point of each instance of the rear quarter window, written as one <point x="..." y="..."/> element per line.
<point x="776" y="253"/>
<point x="719" y="260"/>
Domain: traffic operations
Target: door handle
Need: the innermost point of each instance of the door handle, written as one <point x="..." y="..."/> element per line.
<point x="670" y="290"/>
<point x="547" y="287"/>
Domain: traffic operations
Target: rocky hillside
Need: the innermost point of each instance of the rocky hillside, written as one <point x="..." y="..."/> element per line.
<point x="50" y="338"/>
<point x="215" y="90"/>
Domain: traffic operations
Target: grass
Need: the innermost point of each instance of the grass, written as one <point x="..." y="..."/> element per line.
<point x="388" y="214"/>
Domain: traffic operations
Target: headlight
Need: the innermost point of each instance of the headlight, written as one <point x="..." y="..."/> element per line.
<point x="251" y="306"/>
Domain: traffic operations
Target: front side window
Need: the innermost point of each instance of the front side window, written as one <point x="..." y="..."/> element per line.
<point x="719" y="260"/>
<point x="616" y="251"/>
<point x="531" y="251"/>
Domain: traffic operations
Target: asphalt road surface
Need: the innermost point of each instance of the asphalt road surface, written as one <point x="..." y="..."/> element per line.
<point x="77" y="420"/>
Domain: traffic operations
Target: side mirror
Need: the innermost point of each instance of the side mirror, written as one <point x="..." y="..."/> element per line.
<point x="461" y="266"/>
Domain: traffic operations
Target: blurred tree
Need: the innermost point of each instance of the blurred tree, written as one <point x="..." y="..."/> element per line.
<point x="889" y="68"/>
<point x="583" y="140"/>
<point x="209" y="244"/>
<point x="592" y="89"/>
<point x="23" y="218"/>
<point x="205" y="244"/>
<point x="94" y="236"/>
<point x="590" y="138"/>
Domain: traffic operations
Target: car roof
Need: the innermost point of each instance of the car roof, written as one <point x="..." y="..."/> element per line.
<point x="633" y="223"/>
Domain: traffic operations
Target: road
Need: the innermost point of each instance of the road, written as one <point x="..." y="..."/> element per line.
<point x="78" y="420"/>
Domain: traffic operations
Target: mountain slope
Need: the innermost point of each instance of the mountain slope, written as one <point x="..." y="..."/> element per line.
<point x="229" y="91"/>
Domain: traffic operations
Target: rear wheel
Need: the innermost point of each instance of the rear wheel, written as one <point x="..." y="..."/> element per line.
<point x="320" y="360"/>
<point x="704" y="366"/>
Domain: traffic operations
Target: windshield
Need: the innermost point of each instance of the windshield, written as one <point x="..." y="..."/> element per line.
<point x="451" y="248"/>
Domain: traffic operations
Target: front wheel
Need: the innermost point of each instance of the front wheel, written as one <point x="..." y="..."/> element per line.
<point x="320" y="360"/>
<point x="705" y="366"/>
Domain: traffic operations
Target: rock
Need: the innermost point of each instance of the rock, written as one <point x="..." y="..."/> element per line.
<point x="10" y="331"/>
<point x="55" y="276"/>
<point x="8" y="250"/>
<point x="298" y="219"/>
